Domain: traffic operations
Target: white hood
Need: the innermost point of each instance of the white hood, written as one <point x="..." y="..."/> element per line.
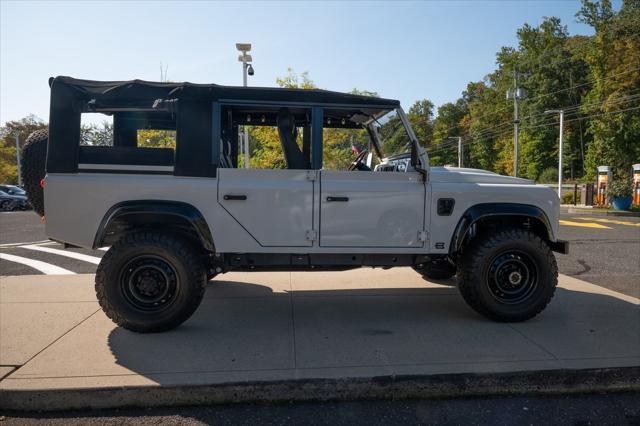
<point x="455" y="174"/>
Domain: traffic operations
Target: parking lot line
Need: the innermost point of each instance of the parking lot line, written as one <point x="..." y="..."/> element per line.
<point x="44" y="267"/>
<point x="71" y="254"/>
<point x="583" y="224"/>
<point x="613" y="221"/>
<point x="20" y="244"/>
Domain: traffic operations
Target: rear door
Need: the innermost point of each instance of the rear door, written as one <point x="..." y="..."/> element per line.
<point x="371" y="209"/>
<point x="274" y="206"/>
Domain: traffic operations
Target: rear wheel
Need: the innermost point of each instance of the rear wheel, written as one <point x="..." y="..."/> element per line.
<point x="150" y="282"/>
<point x="32" y="166"/>
<point x="508" y="276"/>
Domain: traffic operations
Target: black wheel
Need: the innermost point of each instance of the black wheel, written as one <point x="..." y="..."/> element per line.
<point x="441" y="269"/>
<point x="150" y="282"/>
<point x="32" y="166"/>
<point x="7" y="205"/>
<point x="508" y="276"/>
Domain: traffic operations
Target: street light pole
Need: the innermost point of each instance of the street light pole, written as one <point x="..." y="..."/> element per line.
<point x="17" y="137"/>
<point x="516" y="94"/>
<point x="247" y="68"/>
<point x="561" y="112"/>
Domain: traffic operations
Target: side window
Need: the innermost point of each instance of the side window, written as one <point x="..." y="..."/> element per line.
<point x="279" y="137"/>
<point x="96" y="129"/>
<point x="344" y="138"/>
<point x="123" y="140"/>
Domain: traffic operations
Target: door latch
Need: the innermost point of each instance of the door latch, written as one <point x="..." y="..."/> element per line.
<point x="311" y="235"/>
<point x="423" y="236"/>
<point x="311" y="175"/>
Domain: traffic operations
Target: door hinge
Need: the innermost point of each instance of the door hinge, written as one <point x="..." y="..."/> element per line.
<point x="423" y="236"/>
<point x="311" y="175"/>
<point x="311" y="235"/>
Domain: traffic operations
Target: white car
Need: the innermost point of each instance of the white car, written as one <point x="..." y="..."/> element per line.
<point x="175" y="217"/>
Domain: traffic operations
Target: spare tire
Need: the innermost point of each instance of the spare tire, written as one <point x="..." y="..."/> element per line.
<point x="32" y="167"/>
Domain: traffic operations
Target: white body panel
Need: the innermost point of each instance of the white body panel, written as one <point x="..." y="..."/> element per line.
<point x="282" y="205"/>
<point x="278" y="211"/>
<point x="384" y="209"/>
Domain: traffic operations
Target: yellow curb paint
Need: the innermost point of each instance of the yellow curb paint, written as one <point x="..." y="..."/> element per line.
<point x="583" y="224"/>
<point x="613" y="221"/>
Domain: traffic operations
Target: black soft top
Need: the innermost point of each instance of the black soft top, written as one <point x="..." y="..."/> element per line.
<point x="140" y="89"/>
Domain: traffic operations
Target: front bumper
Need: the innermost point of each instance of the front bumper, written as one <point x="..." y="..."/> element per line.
<point x="559" y="246"/>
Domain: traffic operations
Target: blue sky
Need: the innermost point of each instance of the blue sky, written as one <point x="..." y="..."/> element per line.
<point x="403" y="50"/>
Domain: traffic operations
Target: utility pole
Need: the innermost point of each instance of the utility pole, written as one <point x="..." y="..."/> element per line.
<point x="460" y="150"/>
<point x="17" y="137"/>
<point x="561" y="112"/>
<point x="247" y="68"/>
<point x="516" y="93"/>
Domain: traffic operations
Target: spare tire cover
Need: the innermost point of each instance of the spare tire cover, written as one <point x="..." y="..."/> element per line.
<point x="32" y="165"/>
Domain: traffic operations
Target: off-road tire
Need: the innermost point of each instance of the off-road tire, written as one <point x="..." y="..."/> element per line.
<point x="477" y="265"/>
<point x="32" y="167"/>
<point x="114" y="292"/>
<point x="437" y="270"/>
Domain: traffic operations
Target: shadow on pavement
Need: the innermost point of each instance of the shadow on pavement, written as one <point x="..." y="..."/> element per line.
<point x="242" y="327"/>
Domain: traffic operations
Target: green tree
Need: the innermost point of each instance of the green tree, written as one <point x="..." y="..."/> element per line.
<point x="21" y="128"/>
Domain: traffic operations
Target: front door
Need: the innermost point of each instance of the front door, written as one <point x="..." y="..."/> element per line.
<point x="371" y="209"/>
<point x="274" y="206"/>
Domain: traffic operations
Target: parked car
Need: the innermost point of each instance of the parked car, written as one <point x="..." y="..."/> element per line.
<point x="13" y="198"/>
<point x="175" y="217"/>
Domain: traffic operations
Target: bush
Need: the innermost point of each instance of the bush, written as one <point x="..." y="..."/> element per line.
<point x="548" y="175"/>
<point x="568" y="198"/>
<point x="621" y="187"/>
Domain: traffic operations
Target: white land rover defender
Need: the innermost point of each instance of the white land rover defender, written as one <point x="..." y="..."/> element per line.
<point x="174" y="218"/>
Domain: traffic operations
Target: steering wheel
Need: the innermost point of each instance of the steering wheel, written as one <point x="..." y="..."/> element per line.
<point x="358" y="163"/>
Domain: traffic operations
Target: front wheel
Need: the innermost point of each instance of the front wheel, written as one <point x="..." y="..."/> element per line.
<point x="150" y="282"/>
<point x="507" y="276"/>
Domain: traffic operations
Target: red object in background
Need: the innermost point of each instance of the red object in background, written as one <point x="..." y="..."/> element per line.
<point x="354" y="149"/>
<point x="42" y="183"/>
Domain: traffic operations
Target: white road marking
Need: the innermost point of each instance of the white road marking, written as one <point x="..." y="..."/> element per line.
<point x="71" y="254"/>
<point x="44" y="267"/>
<point x="104" y="248"/>
<point x="20" y="244"/>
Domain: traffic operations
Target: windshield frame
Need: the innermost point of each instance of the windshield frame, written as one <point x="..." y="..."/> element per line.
<point x="378" y="143"/>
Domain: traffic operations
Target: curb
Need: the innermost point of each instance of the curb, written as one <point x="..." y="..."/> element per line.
<point x="624" y="379"/>
<point x="595" y="212"/>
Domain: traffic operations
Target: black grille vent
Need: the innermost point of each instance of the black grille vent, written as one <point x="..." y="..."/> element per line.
<point x="445" y="206"/>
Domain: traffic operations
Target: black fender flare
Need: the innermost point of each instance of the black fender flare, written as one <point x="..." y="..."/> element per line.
<point x="480" y="211"/>
<point x="156" y="209"/>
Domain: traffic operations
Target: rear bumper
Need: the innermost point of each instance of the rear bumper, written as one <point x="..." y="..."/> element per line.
<point x="559" y="246"/>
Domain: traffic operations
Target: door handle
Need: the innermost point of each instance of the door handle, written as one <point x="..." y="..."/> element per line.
<point x="331" y="199"/>
<point x="235" y="197"/>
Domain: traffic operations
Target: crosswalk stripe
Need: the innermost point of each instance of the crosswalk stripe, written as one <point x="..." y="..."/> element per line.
<point x="583" y="224"/>
<point x="71" y="254"/>
<point x="44" y="267"/>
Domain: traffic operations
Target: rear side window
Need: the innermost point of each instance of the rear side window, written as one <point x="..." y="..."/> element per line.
<point x="131" y="141"/>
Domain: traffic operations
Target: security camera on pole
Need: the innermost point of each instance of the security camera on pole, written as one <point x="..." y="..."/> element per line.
<point x="247" y="68"/>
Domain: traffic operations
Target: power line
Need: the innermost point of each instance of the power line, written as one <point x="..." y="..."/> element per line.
<point x="590" y="81"/>
<point x="498" y="135"/>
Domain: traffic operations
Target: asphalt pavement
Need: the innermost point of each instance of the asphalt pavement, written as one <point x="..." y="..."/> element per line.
<point x="604" y="250"/>
<point x="610" y="409"/>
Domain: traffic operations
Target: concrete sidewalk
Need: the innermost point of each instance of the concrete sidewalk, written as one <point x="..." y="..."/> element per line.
<point x="254" y="330"/>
